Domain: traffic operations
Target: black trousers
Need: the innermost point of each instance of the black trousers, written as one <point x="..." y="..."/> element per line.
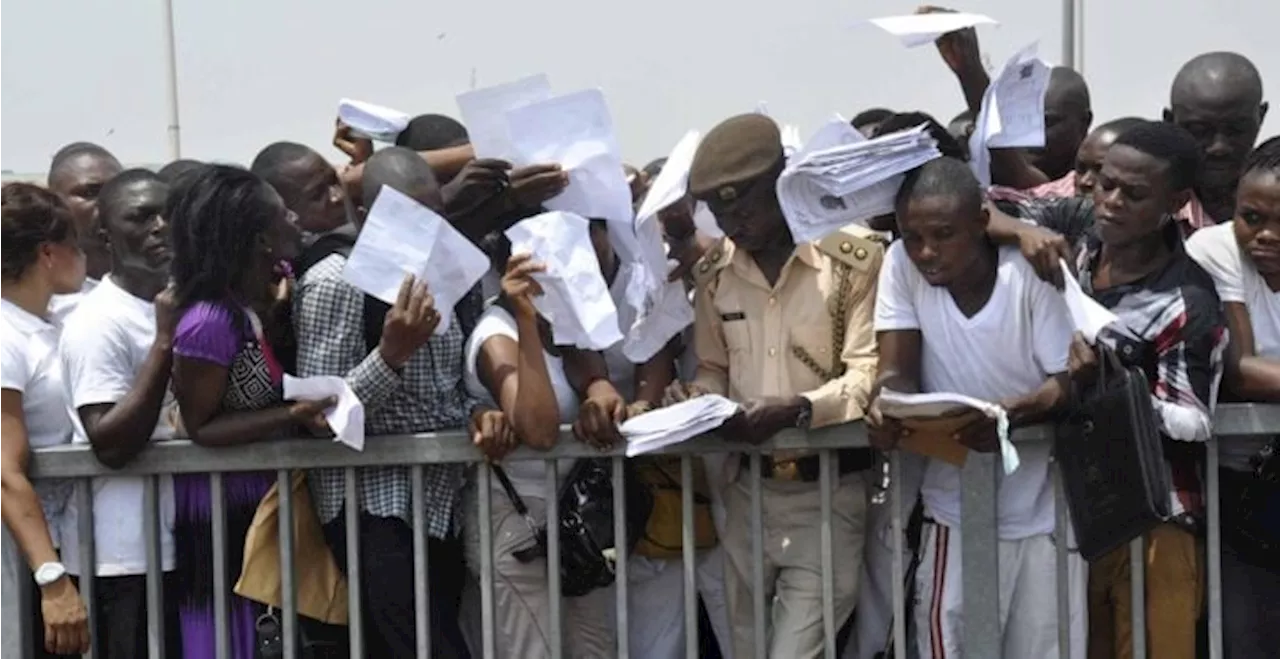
<point x="386" y="579"/>
<point x="120" y="631"/>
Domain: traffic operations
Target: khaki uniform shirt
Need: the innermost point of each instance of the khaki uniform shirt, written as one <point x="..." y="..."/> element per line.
<point x="755" y="340"/>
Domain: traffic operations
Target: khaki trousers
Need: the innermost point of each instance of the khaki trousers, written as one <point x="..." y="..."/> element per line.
<point x="792" y="522"/>
<point x="1175" y="593"/>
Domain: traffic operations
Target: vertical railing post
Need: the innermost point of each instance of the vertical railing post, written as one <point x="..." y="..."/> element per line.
<point x="288" y="571"/>
<point x="898" y="543"/>
<point x="15" y="591"/>
<point x="1138" y="595"/>
<point x="825" y="467"/>
<point x="421" y="577"/>
<point x="555" y="610"/>
<point x="690" y="558"/>
<point x="620" y="548"/>
<point x="760" y="617"/>
<point x="155" y="575"/>
<point x="979" y="556"/>
<point x="1213" y="555"/>
<point x="221" y="610"/>
<point x="88" y="559"/>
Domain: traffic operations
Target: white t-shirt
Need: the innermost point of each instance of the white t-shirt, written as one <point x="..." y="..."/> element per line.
<point x="30" y="366"/>
<point x="528" y="477"/>
<point x="61" y="306"/>
<point x="1016" y="341"/>
<point x="1237" y="280"/>
<point x="104" y="344"/>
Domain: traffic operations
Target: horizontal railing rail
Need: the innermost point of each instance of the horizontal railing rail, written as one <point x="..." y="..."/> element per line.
<point x="978" y="543"/>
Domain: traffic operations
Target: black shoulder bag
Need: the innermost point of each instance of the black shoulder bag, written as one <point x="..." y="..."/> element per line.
<point x="585" y="503"/>
<point x="1111" y="454"/>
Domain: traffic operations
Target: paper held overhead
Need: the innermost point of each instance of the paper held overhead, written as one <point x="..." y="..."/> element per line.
<point x="919" y="29"/>
<point x="484" y="112"/>
<point x="575" y="131"/>
<point x="402" y="237"/>
<point x="839" y="177"/>
<point x="1012" y="112"/>
<point x="672" y="182"/>
<point x="575" y="299"/>
<point x="372" y="121"/>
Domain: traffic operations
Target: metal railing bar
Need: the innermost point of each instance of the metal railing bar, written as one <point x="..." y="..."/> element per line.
<point x="1138" y="596"/>
<point x="759" y="615"/>
<point x="899" y="565"/>
<point x="422" y="578"/>
<point x="689" y="558"/>
<point x="555" y="635"/>
<point x="221" y="587"/>
<point x="155" y="575"/>
<point x="484" y="519"/>
<point x="825" y="466"/>
<point x="1213" y="553"/>
<point x="621" y="555"/>
<point x="88" y="559"/>
<point x="288" y="570"/>
<point x="351" y="520"/>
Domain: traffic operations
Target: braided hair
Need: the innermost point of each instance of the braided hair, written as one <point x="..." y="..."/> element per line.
<point x="217" y="214"/>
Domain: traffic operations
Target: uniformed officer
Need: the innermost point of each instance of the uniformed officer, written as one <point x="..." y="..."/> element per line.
<point x="785" y="329"/>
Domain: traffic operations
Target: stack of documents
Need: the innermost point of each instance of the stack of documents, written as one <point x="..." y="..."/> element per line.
<point x="1012" y="113"/>
<point x="671" y="425"/>
<point x="402" y="237"/>
<point x="840" y="177"/>
<point x="372" y="121"/>
<point x="575" y="299"/>
<point x="896" y="405"/>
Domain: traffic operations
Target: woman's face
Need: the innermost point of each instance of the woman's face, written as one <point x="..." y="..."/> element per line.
<point x="1257" y="221"/>
<point x="283" y="238"/>
<point x="65" y="264"/>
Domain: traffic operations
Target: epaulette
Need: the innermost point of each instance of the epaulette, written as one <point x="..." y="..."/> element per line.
<point x="855" y="246"/>
<point x="709" y="266"/>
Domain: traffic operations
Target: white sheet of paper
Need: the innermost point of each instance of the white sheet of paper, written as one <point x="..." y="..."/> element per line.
<point x="575" y="299"/>
<point x="705" y="221"/>
<point x="1087" y="315"/>
<point x="373" y="121"/>
<point x="673" y="181"/>
<point x="401" y="236"/>
<point x="576" y="131"/>
<point x="676" y="423"/>
<point x="484" y="112"/>
<point x="346" y="418"/>
<point x="1019" y="96"/>
<point x="898" y="405"/>
<point x="919" y="29"/>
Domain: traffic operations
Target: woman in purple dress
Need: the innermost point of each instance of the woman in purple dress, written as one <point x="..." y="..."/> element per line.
<point x="230" y="231"/>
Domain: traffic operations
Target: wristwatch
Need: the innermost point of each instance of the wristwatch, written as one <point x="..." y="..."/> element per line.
<point x="49" y="573"/>
<point x="805" y="417"/>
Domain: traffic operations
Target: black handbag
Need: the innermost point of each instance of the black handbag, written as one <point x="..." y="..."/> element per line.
<point x="585" y="502"/>
<point x="316" y="640"/>
<point x="1111" y="455"/>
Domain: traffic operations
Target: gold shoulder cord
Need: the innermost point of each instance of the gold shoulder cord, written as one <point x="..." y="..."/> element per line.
<point x="839" y="309"/>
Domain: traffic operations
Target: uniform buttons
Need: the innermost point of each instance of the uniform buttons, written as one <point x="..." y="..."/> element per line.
<point x="773" y="351"/>
<point x="772" y="300"/>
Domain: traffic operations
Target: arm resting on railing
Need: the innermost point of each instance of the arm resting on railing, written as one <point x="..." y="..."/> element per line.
<point x="1248" y="376"/>
<point x="119" y="430"/>
<point x="200" y="386"/>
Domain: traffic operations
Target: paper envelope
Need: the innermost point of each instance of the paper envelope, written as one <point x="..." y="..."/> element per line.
<point x="934" y="437"/>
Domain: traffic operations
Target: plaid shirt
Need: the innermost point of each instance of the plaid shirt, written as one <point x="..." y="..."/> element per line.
<point x="426" y="395"/>
<point x="1172" y="326"/>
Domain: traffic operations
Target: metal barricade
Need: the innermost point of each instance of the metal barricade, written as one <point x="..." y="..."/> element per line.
<point x="979" y="541"/>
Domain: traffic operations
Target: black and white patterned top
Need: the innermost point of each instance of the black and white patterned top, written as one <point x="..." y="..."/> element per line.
<point x="426" y="395"/>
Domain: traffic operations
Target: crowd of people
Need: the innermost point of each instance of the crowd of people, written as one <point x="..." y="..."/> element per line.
<point x="143" y="306"/>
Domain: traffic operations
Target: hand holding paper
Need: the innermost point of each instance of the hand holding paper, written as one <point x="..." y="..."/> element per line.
<point x="346" y="418"/>
<point x="1087" y="315"/>
<point x="919" y="29"/>
<point x="1012" y="113"/>
<point x="575" y="298"/>
<point x="934" y="418"/>
<point x="401" y="236"/>
<point x="372" y="121"/>
<point x="676" y="423"/>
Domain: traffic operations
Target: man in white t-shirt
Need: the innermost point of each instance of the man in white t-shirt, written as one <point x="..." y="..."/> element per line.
<point x="956" y="314"/>
<point x="116" y="351"/>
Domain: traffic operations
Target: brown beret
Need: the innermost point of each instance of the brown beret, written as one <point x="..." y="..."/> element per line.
<point x="734" y="153"/>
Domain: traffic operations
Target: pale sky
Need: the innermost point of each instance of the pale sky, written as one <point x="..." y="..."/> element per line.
<point x="255" y="71"/>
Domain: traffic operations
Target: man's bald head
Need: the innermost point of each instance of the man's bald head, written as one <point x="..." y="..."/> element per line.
<point x="1219" y="77"/>
<point x="1217" y="97"/>
<point x="1068" y="114"/>
<point x="405" y="171"/>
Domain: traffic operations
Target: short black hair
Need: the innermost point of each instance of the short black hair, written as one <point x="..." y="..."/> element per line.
<point x="271" y="162"/>
<point x="216" y="216"/>
<point x="870" y="116"/>
<point x="1265" y="158"/>
<point x="112" y="191"/>
<point x="170" y="172"/>
<point x="428" y="132"/>
<point x="1119" y="126"/>
<point x="942" y="177"/>
<point x="1168" y="143"/>
<point x="74" y="150"/>
<point x="948" y="145"/>
<point x="29" y="216"/>
<point x="399" y="167"/>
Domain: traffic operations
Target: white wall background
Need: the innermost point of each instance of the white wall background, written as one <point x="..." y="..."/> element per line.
<point x="254" y="71"/>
